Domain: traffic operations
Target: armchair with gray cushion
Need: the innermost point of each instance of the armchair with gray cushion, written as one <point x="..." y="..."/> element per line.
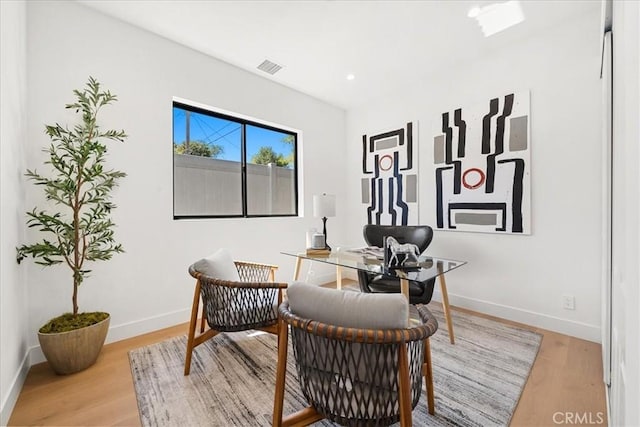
<point x="358" y="358"/>
<point x="236" y="296"/>
<point x="419" y="235"/>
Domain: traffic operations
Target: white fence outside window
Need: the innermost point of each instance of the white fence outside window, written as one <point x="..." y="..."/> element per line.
<point x="204" y="186"/>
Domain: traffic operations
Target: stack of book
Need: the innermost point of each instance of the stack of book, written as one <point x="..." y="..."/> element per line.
<point x="318" y="252"/>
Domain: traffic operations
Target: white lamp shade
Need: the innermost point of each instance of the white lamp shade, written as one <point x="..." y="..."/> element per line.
<point x="324" y="205"/>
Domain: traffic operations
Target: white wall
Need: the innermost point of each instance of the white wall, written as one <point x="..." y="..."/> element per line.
<point x="148" y="287"/>
<point x="625" y="319"/>
<point x="13" y="136"/>
<point x="517" y="277"/>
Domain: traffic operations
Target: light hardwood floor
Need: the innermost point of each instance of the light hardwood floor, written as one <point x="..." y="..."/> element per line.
<point x="565" y="384"/>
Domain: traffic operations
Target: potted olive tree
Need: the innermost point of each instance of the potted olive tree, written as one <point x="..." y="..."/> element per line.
<point x="76" y="226"/>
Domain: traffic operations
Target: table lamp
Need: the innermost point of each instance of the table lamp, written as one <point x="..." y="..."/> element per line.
<point x="324" y="205"/>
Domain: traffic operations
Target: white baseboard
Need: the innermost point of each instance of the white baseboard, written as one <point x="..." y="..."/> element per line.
<point x="350" y="273"/>
<point x="322" y="279"/>
<point x="128" y="330"/>
<point x="14" y="390"/>
<point x="323" y="274"/>
<point x="552" y="323"/>
<point x="149" y="324"/>
<point x="607" y="394"/>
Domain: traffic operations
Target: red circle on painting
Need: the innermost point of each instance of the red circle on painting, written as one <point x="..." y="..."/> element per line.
<point x="388" y="165"/>
<point x="479" y="176"/>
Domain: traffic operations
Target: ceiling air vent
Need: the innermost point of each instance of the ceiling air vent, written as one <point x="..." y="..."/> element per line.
<point x="269" y="67"/>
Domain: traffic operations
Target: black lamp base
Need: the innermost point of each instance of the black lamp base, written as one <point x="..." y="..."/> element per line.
<point x="324" y="231"/>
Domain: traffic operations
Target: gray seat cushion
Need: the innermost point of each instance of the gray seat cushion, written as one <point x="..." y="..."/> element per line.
<point x="348" y="309"/>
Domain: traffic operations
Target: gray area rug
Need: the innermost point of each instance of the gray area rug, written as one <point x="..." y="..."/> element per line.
<point x="477" y="381"/>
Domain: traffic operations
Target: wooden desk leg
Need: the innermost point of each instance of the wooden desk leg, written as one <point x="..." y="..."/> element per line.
<point x="296" y="270"/>
<point x="404" y="287"/>
<point x="338" y="277"/>
<point x="445" y="305"/>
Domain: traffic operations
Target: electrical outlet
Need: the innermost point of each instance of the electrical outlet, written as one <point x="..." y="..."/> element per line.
<point x="568" y="302"/>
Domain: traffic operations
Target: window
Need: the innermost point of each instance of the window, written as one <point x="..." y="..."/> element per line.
<point x="226" y="166"/>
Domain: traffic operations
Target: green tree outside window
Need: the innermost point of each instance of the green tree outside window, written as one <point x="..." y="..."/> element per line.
<point x="199" y="148"/>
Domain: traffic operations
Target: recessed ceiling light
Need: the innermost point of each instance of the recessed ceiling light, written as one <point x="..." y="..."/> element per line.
<point x="473" y="12"/>
<point x="497" y="17"/>
<point x="350" y="76"/>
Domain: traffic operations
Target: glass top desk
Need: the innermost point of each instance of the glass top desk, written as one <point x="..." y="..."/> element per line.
<point x="428" y="268"/>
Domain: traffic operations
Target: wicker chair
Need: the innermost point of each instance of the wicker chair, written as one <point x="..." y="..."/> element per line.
<point x="356" y="376"/>
<point x="230" y="306"/>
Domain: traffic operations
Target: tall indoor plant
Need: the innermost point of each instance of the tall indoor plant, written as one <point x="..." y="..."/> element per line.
<point x="77" y="227"/>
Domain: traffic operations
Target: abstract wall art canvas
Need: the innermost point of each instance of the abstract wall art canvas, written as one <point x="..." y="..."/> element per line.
<point x="481" y="157"/>
<point x="389" y="185"/>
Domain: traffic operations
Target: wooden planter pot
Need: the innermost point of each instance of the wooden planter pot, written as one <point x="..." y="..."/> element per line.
<point x="73" y="351"/>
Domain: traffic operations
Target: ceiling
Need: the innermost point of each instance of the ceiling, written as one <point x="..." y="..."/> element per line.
<point x="385" y="44"/>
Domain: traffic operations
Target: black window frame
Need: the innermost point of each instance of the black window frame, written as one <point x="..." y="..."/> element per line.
<point x="243" y="162"/>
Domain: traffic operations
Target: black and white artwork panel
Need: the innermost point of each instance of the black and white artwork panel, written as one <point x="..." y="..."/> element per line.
<point x="481" y="158"/>
<point x="389" y="183"/>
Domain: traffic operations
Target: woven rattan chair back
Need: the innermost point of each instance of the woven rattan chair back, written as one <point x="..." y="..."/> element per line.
<point x="229" y="306"/>
<point x="234" y="306"/>
<point x="359" y="377"/>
